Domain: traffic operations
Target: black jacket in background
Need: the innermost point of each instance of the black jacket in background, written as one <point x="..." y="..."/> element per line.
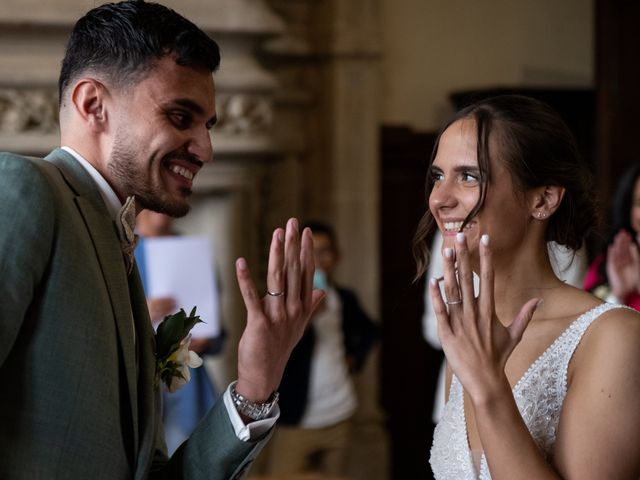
<point x="359" y="333"/>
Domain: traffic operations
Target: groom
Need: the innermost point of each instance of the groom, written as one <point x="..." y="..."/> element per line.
<point x="77" y="351"/>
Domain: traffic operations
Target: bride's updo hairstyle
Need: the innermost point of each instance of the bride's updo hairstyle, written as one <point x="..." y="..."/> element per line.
<point x="538" y="149"/>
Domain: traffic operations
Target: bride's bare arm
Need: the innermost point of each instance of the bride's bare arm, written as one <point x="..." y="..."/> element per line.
<point x="599" y="430"/>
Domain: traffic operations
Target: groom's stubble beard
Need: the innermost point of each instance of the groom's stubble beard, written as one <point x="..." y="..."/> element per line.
<point x="134" y="178"/>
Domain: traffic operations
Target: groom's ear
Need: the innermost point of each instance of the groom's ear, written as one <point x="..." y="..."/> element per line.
<point x="89" y="101"/>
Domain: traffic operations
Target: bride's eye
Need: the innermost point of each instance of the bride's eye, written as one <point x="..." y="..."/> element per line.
<point x="470" y="177"/>
<point x="435" y="176"/>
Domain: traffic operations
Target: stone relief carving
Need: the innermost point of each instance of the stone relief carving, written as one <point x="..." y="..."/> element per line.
<point x="36" y="111"/>
<point x="28" y="110"/>
<point x="244" y="114"/>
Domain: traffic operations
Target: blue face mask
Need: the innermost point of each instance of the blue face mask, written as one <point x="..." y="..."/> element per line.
<point x="320" y="279"/>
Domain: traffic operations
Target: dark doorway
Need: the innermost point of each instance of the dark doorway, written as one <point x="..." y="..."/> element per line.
<point x="618" y="92"/>
<point x="409" y="366"/>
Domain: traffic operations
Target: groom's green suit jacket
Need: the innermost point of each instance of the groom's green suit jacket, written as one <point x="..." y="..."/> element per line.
<point x="77" y="396"/>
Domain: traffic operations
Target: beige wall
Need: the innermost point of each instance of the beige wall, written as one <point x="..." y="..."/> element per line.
<point x="433" y="47"/>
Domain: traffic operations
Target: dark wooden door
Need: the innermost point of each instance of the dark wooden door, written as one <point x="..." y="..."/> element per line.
<point x="618" y="91"/>
<point x="409" y="366"/>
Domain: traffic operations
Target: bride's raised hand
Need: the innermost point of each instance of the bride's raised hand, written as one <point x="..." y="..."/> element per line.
<point x="476" y="344"/>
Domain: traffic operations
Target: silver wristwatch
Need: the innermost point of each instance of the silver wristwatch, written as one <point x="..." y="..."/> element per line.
<point x="253" y="410"/>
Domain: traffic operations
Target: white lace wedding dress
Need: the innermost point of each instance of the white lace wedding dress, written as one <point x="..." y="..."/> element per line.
<point x="539" y="395"/>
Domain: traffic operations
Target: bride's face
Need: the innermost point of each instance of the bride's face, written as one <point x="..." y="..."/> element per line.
<point x="456" y="190"/>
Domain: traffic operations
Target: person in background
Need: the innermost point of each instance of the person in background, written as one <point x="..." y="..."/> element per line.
<point x="542" y="377"/>
<point x="614" y="275"/>
<point x="183" y="409"/>
<point x="317" y="394"/>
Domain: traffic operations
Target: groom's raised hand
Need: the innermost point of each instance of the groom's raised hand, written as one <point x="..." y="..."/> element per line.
<point x="276" y="322"/>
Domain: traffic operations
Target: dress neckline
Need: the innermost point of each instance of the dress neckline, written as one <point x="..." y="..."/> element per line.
<point x="594" y="311"/>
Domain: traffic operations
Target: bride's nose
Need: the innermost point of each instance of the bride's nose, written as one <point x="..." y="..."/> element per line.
<point x="442" y="196"/>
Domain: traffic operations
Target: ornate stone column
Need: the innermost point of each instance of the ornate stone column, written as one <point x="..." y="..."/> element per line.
<point x="327" y="62"/>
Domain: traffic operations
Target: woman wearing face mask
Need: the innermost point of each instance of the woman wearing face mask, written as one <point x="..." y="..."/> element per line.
<point x="614" y="275"/>
<point x="542" y="377"/>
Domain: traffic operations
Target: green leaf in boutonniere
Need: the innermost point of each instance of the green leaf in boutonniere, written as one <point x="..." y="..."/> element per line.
<point x="173" y="357"/>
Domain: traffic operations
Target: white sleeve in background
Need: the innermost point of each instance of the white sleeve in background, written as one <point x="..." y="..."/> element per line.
<point x="429" y="322"/>
<point x="253" y="430"/>
<point x="569" y="266"/>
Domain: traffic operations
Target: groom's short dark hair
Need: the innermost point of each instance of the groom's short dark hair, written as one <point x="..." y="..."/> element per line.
<point x="122" y="41"/>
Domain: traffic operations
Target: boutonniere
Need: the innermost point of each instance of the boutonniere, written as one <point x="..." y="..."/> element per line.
<point x="173" y="357"/>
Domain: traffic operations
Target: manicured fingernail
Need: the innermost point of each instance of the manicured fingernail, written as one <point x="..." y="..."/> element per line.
<point x="241" y="263"/>
<point x="448" y="252"/>
<point x="485" y="239"/>
<point x="280" y="235"/>
<point x="460" y="237"/>
<point x="433" y="281"/>
<point x="294" y="223"/>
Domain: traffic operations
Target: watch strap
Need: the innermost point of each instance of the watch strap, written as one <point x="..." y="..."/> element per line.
<point x="250" y="409"/>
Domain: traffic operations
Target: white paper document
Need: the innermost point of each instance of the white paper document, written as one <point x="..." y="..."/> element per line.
<point x="182" y="268"/>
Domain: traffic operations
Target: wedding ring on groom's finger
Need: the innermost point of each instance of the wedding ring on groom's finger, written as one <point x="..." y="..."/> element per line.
<point x="274" y="294"/>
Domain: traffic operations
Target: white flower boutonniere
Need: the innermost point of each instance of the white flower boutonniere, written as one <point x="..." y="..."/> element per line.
<point x="173" y="357"/>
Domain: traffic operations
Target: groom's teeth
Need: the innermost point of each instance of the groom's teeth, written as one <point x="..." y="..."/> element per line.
<point x="182" y="171"/>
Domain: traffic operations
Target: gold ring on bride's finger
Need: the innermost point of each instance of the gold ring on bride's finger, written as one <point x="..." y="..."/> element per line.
<point x="274" y="294"/>
<point x="453" y="302"/>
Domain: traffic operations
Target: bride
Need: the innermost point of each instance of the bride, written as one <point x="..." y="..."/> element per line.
<point x="543" y="379"/>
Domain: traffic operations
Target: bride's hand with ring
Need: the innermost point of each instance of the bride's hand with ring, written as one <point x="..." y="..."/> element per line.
<point x="476" y="344"/>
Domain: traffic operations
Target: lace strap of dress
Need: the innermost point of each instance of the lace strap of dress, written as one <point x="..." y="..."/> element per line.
<point x="570" y="339"/>
<point x="576" y="331"/>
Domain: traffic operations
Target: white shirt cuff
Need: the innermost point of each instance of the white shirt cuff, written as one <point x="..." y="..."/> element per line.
<point x="253" y="430"/>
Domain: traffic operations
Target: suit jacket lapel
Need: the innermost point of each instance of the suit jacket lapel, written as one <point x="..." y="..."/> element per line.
<point x="148" y="395"/>
<point x="103" y="233"/>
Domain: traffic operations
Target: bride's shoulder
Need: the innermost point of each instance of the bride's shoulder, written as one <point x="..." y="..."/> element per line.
<point x="613" y="318"/>
<point x="617" y="322"/>
<point x="614" y="335"/>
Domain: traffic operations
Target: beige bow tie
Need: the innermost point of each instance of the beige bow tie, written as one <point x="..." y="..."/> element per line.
<point x="126" y="224"/>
